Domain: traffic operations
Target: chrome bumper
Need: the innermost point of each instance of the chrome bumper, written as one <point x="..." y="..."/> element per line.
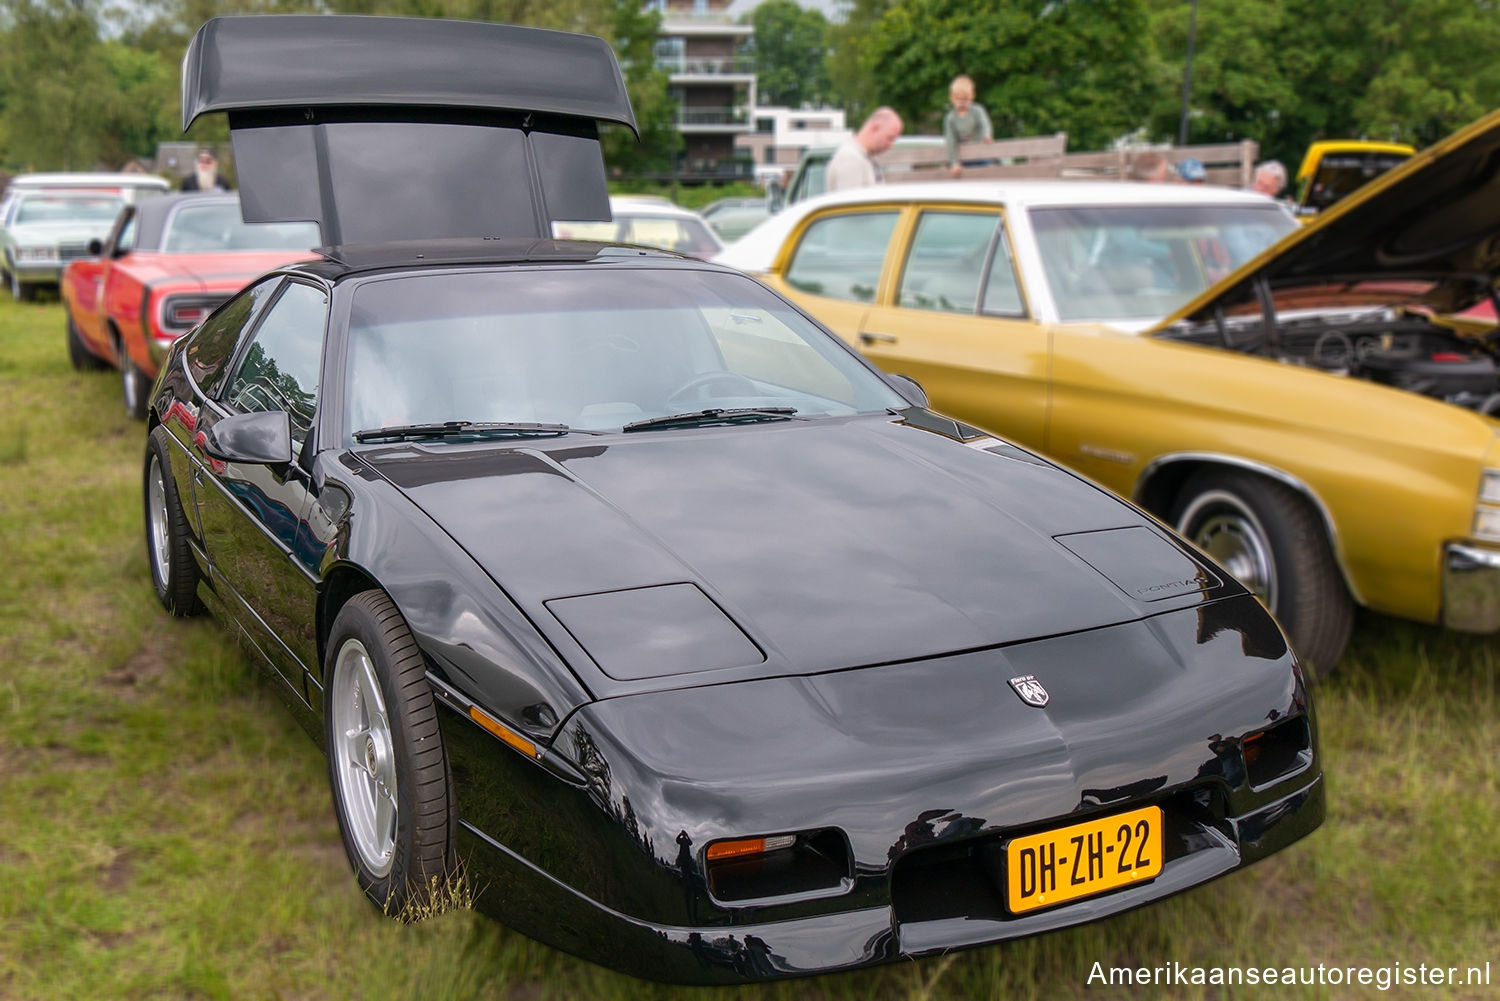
<point x="1471" y="588"/>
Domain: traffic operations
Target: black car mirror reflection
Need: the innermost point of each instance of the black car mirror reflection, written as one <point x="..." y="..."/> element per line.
<point x="263" y="437"/>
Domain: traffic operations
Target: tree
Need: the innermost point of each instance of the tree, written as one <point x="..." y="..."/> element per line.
<point x="853" y="73"/>
<point x="1287" y="74"/>
<point x="57" y="90"/>
<point x="790" y="46"/>
<point x="633" y="33"/>
<point x="1080" y="66"/>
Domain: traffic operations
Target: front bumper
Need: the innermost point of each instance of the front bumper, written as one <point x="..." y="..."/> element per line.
<point x="1471" y="588"/>
<point x="36" y="272"/>
<point x="527" y="898"/>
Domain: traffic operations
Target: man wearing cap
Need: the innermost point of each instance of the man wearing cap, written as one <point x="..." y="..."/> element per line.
<point x="205" y="175"/>
<point x="1191" y="171"/>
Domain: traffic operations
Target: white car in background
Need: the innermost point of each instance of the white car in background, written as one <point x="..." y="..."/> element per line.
<point x="647" y="222"/>
<point x="48" y="219"/>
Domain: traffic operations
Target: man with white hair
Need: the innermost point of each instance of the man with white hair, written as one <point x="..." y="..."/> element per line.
<point x="853" y="163"/>
<point x="1269" y="178"/>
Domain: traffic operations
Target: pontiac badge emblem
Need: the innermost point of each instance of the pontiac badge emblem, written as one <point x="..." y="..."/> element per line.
<point x="1031" y="691"/>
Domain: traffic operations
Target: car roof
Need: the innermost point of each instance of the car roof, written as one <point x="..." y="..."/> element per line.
<point x="757" y="249"/>
<point x="69" y="179"/>
<point x="1324" y="147"/>
<point x="649" y="205"/>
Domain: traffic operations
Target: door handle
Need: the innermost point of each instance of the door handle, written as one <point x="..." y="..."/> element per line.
<point x="871" y="337"/>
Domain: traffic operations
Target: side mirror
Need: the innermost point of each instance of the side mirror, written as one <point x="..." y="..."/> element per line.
<point x="910" y="388"/>
<point x="260" y="438"/>
<point x="96" y="247"/>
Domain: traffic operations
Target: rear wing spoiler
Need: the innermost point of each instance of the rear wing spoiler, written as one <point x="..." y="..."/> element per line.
<point x="389" y="128"/>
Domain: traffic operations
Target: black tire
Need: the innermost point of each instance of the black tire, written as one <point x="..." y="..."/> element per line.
<point x="136" y="387"/>
<point x="174" y="572"/>
<point x="82" y="359"/>
<point x="409" y="750"/>
<point x="1235" y="511"/>
<point x="19" y="290"/>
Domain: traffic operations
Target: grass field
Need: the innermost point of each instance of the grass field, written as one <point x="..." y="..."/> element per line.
<point x="166" y="831"/>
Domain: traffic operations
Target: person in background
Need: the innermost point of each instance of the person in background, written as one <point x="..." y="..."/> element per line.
<point x="965" y="122"/>
<point x="853" y="163"/>
<point x="1149" y="166"/>
<point x="1192" y="171"/>
<point x="1269" y="178"/>
<point x="205" y="175"/>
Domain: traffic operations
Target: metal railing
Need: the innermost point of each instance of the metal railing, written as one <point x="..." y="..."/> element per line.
<point x="713" y="116"/>
<point x="711" y="66"/>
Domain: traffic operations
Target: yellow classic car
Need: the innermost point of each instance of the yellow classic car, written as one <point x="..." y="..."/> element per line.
<point x="1300" y="411"/>
<point x="1335" y="168"/>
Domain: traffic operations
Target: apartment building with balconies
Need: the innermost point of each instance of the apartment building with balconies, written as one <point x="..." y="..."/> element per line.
<point x="713" y="84"/>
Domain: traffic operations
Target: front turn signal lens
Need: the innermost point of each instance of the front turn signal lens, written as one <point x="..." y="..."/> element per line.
<point x="749" y="846"/>
<point x="502" y="731"/>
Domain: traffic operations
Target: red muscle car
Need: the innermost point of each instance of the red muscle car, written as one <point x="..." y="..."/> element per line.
<point x="167" y="263"/>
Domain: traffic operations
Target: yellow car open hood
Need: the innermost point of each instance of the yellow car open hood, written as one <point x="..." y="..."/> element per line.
<point x="1425" y="234"/>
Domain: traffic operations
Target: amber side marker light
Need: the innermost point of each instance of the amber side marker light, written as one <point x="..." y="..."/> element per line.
<point x="502" y="731"/>
<point x="749" y="846"/>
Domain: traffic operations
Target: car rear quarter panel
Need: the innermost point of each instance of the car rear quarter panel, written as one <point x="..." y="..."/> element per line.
<point x="1397" y="473"/>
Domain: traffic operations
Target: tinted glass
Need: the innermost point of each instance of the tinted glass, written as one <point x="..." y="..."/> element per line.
<point x="1141" y="262"/>
<point x="840" y="256"/>
<point x="1341" y="174"/>
<point x="280" y="370"/>
<point x="218" y="226"/>
<point x="210" y="349"/>
<point x="946" y="261"/>
<point x="589" y="348"/>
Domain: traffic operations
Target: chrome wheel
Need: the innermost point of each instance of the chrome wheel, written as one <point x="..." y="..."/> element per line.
<point x="364" y="757"/>
<point x="1220" y="524"/>
<point x="156" y="516"/>
<point x="132" y="384"/>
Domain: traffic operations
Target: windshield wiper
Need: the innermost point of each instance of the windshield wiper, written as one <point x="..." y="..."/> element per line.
<point x="714" y="415"/>
<point x="446" y="428"/>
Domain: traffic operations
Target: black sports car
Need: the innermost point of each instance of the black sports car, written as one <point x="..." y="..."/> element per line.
<point x="710" y="650"/>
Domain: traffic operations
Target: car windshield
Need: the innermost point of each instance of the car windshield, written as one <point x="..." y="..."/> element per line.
<point x="68" y="208"/>
<point x="1341" y="174"/>
<point x="217" y="226"/>
<point x="591" y="349"/>
<point x="680" y="234"/>
<point x="1142" y="262"/>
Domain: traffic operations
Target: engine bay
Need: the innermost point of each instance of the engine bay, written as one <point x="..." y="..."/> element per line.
<point x="1394" y="347"/>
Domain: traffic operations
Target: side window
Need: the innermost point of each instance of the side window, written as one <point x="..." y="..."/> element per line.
<point x="840" y="255"/>
<point x="280" y="370"/>
<point x="1002" y="292"/>
<point x="122" y="240"/>
<point x="209" y="351"/>
<point x="946" y="261"/>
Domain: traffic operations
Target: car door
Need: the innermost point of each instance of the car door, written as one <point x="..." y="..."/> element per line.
<point x="835" y="268"/>
<point x="89" y="281"/>
<point x="252" y="514"/>
<point x="956" y="320"/>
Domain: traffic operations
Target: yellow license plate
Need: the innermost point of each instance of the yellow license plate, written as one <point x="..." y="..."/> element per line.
<point x="1079" y="861"/>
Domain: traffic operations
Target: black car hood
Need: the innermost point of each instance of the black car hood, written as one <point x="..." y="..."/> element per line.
<point x="692" y="556"/>
<point x="1426" y="233"/>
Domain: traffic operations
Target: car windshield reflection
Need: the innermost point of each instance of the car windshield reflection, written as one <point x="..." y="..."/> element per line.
<point x="591" y="349"/>
<point x="218" y="226"/>
<point x="1117" y="262"/>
